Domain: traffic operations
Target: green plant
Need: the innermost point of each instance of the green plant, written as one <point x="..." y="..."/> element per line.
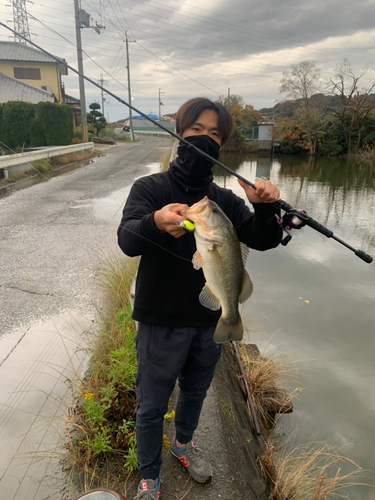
<point x="130" y="464"/>
<point x="37" y="137"/>
<point x="57" y="123"/>
<point x="42" y="166"/>
<point x="100" y="443"/>
<point x="17" y="118"/>
<point x="95" y="119"/>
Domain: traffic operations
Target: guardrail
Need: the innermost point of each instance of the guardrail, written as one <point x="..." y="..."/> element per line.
<point x="20" y="158"/>
<point x="150" y="132"/>
<point x="10" y="161"/>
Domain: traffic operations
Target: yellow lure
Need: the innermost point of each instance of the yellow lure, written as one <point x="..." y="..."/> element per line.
<point x="187" y="225"/>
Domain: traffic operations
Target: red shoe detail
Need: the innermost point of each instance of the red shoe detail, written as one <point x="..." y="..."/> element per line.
<point x="144" y="486"/>
<point x="184" y="462"/>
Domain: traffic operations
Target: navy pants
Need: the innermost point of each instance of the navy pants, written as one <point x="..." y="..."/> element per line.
<point x="163" y="354"/>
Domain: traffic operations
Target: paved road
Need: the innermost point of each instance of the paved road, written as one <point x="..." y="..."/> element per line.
<point x="51" y="232"/>
<point x="51" y="235"/>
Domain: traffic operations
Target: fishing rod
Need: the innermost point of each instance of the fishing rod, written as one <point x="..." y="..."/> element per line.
<point x="292" y="219"/>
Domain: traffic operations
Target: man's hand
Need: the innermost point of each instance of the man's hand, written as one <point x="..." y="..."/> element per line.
<point x="166" y="219"/>
<point x="265" y="191"/>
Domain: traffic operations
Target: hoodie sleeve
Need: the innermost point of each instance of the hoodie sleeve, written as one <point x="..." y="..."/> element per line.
<point x="258" y="230"/>
<point x="137" y="231"/>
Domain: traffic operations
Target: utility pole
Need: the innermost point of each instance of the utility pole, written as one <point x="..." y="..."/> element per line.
<point x="82" y="20"/>
<point x="228" y="103"/>
<point x="160" y="103"/>
<point x="129" y="90"/>
<point x="102" y="83"/>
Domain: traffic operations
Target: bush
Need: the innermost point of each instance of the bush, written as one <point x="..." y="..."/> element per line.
<point x="236" y="142"/>
<point x="57" y="123"/>
<point x="17" y="117"/>
<point x="37" y="137"/>
<point x="42" y="166"/>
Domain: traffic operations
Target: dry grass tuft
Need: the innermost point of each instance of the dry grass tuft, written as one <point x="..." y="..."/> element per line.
<point x="61" y="160"/>
<point x="266" y="378"/>
<point x="308" y="472"/>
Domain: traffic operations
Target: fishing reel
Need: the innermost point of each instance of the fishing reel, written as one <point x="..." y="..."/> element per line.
<point x="292" y="219"/>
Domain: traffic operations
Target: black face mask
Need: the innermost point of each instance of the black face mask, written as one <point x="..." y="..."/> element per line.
<point x="194" y="170"/>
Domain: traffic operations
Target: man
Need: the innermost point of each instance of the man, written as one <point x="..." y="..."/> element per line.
<point x="175" y="332"/>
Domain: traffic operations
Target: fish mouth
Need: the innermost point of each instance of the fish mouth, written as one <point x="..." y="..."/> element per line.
<point x="193" y="213"/>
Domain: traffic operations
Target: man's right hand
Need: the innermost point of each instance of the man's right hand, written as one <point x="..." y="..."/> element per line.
<point x="166" y="219"/>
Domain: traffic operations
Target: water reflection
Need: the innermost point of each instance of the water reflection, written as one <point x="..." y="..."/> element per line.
<point x="334" y="333"/>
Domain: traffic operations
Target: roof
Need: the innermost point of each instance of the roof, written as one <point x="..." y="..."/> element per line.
<point x="140" y="117"/>
<point x="12" y="89"/>
<point x="15" y="51"/>
<point x="68" y="99"/>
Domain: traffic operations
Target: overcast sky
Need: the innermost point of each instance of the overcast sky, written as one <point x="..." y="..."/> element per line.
<point x="188" y="50"/>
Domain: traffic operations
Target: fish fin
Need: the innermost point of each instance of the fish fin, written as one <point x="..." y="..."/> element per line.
<point x="197" y="260"/>
<point x="208" y="299"/>
<point x="245" y="250"/>
<point x="228" y="331"/>
<point x="247" y="288"/>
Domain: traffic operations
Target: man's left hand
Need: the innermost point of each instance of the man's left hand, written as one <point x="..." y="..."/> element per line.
<point x="265" y="191"/>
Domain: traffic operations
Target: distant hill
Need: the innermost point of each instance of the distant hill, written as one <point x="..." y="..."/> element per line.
<point x="287" y="109"/>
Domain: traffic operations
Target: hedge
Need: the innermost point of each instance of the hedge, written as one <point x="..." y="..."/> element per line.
<point x="15" y="123"/>
<point x="57" y="123"/>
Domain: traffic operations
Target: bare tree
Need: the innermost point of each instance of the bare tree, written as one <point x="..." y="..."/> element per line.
<point x="355" y="103"/>
<point x="301" y="83"/>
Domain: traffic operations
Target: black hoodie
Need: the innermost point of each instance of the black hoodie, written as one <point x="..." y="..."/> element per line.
<point x="168" y="286"/>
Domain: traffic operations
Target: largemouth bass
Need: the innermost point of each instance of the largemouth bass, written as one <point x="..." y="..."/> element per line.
<point x="222" y="258"/>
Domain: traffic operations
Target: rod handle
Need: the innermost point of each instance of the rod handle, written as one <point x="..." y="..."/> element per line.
<point x="364" y="256"/>
<point x="319" y="227"/>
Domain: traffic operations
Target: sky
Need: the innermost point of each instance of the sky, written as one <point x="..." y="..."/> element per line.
<point x="190" y="48"/>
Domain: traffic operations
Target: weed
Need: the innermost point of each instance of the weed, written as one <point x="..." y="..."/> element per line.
<point x="42" y="166"/>
<point x="101" y="439"/>
<point x="266" y="377"/>
<point x="307" y="472"/>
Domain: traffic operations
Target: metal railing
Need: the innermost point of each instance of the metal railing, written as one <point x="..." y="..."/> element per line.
<point x="49" y="152"/>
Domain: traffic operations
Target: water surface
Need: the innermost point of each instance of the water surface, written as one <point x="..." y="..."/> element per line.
<point x="332" y="337"/>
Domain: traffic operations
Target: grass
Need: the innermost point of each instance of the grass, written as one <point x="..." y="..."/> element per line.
<point x="59" y="161"/>
<point x="165" y="160"/>
<point x="266" y="378"/>
<point x="101" y="441"/>
<point x="308" y="472"/>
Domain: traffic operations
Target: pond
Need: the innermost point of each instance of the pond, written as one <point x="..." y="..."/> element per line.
<point x="314" y="301"/>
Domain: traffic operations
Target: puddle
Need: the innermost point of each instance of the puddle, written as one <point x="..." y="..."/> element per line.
<point x="110" y="207"/>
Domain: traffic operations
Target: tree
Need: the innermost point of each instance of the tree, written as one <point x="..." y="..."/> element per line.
<point x="243" y="114"/>
<point x="355" y="104"/>
<point x="301" y="83"/>
<point x="96" y="119"/>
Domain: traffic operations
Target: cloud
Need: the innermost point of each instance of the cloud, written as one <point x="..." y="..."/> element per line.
<point x="187" y="49"/>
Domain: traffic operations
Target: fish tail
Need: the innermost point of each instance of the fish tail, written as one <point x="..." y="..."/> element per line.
<point x="227" y="330"/>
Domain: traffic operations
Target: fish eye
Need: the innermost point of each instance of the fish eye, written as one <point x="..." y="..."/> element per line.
<point x="215" y="210"/>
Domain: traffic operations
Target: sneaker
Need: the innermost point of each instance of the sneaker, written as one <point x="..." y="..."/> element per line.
<point x="148" y="489"/>
<point x="191" y="458"/>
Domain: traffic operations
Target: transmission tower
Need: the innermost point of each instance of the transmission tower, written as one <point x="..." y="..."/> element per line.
<point x="20" y="20"/>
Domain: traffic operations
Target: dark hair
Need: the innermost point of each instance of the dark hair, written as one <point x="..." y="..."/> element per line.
<point x="189" y="112"/>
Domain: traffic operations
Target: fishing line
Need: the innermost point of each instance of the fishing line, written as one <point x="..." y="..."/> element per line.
<point x="294" y="219"/>
<point x="100" y="208"/>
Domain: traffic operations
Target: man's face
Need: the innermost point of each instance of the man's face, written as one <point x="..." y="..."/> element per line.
<point x="207" y="123"/>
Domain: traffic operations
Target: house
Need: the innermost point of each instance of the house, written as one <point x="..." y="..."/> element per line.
<point x="12" y="89"/>
<point x="32" y="67"/>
